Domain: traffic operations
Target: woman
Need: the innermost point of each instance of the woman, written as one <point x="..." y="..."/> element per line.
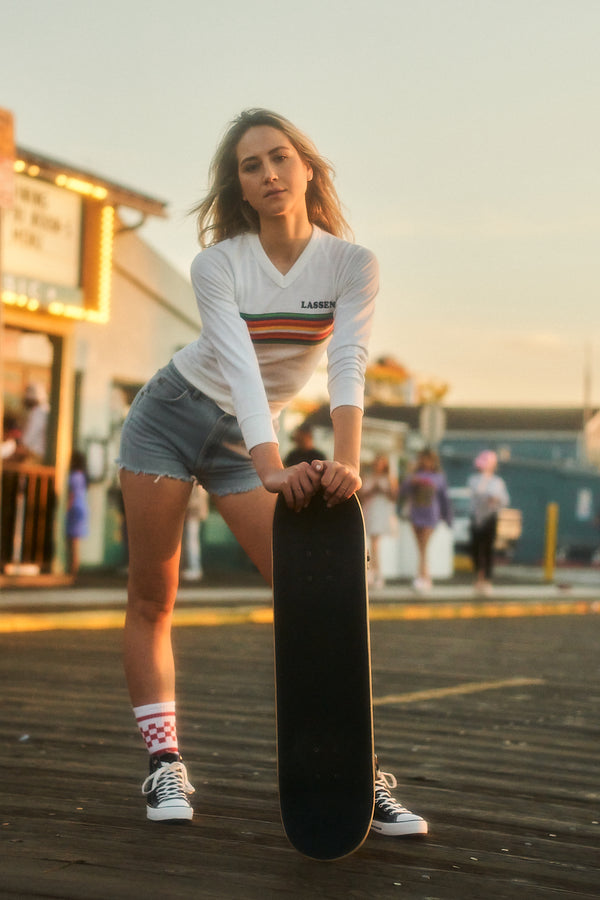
<point x="488" y="496"/>
<point x="377" y="495"/>
<point x="276" y="286"/>
<point x="427" y="492"/>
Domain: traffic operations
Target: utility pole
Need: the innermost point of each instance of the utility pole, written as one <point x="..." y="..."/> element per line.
<point x="587" y="383"/>
<point x="587" y="398"/>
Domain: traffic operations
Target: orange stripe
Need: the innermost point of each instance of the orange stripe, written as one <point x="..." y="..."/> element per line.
<point x="289" y="326"/>
<point x="293" y="330"/>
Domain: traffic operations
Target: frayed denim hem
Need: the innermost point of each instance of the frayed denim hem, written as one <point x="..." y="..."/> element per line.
<point x="158" y="475"/>
<point x="224" y="492"/>
<point x="217" y="490"/>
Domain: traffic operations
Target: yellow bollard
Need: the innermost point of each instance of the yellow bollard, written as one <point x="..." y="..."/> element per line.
<point x="551" y="538"/>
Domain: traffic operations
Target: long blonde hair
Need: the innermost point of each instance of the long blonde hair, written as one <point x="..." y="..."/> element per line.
<point x="223" y="213"/>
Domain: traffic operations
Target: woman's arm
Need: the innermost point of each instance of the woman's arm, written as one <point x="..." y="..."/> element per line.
<point x="340" y="477"/>
<point x="347" y="360"/>
<point x="348" y="349"/>
<point x="214" y="286"/>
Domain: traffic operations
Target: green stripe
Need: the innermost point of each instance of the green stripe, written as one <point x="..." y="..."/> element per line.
<point x="294" y="317"/>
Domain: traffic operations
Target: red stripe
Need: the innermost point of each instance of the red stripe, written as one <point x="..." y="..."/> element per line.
<point x="157" y="715"/>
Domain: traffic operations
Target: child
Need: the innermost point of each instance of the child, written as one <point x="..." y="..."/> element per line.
<point x="77" y="521"/>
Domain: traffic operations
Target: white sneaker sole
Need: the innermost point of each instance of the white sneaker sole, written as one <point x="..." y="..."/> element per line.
<point x="412" y="826"/>
<point x="170" y="813"/>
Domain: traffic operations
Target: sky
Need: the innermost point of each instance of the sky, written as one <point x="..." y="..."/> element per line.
<point x="464" y="135"/>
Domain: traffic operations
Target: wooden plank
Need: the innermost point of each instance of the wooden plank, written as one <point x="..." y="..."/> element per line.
<point x="508" y="778"/>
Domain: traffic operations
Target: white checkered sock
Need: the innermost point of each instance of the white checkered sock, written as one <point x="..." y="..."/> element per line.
<point x="157" y="724"/>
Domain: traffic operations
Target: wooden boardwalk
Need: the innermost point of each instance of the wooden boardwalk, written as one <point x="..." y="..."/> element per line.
<point x="490" y="725"/>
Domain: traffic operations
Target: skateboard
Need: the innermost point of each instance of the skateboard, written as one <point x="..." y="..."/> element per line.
<point x="325" y="760"/>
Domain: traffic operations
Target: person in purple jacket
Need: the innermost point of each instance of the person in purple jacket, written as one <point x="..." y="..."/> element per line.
<point x="426" y="491"/>
<point x="77" y="518"/>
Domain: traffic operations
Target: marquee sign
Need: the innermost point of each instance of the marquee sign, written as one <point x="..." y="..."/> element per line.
<point x="41" y="240"/>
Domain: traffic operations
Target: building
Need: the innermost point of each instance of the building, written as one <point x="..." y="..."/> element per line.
<point x="89" y="311"/>
<point x="546" y="456"/>
<point x="549" y="435"/>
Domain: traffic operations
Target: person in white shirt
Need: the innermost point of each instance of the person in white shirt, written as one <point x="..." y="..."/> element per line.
<point x="34" y="437"/>
<point x="488" y="496"/>
<point x="277" y="286"/>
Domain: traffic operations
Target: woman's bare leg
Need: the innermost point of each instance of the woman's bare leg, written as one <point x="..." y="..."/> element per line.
<point x="73" y="555"/>
<point x="423" y="535"/>
<point x="155" y="511"/>
<point x="250" y="517"/>
<point x="374" y="560"/>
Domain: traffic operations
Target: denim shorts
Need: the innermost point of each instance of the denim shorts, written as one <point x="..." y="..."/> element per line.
<point x="174" y="430"/>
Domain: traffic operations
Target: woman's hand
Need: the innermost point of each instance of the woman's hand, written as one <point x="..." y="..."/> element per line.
<point x="339" y="481"/>
<point x="298" y="484"/>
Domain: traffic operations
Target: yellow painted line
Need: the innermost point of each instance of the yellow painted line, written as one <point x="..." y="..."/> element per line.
<point x="507" y="609"/>
<point x="472" y="687"/>
<point x="101" y="619"/>
<point x="53" y="621"/>
<point x="236" y="615"/>
<point x="98" y="620"/>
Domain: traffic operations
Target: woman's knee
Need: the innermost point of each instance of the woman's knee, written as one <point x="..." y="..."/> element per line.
<point x="151" y="599"/>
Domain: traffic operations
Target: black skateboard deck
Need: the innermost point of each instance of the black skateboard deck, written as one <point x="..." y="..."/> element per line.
<point x="323" y="677"/>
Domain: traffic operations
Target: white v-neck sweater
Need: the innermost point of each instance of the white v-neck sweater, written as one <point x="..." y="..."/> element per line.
<point x="263" y="333"/>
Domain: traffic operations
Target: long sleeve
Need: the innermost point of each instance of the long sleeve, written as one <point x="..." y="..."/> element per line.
<point x="227" y="333"/>
<point x="348" y="350"/>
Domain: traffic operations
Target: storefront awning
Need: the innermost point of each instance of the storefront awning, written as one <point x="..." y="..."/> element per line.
<point x="88" y="183"/>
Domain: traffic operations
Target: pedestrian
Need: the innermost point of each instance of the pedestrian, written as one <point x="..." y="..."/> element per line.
<point x="35" y="429"/>
<point x="276" y="286"/>
<point x="196" y="513"/>
<point x="426" y="491"/>
<point x="77" y="518"/>
<point x="488" y="496"/>
<point x="304" y="450"/>
<point x="378" y="493"/>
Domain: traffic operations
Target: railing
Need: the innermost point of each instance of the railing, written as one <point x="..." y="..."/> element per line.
<point x="28" y="505"/>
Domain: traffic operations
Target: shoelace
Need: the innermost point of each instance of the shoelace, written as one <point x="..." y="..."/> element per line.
<point x="384" y="783"/>
<point x="169" y="781"/>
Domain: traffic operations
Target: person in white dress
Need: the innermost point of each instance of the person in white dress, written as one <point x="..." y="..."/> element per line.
<point x="378" y="495"/>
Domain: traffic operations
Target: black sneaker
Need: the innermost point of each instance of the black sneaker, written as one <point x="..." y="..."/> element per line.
<point x="391" y="817"/>
<point x="166" y="789"/>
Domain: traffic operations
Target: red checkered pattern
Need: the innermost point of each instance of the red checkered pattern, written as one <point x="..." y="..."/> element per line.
<point x="157" y="724"/>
